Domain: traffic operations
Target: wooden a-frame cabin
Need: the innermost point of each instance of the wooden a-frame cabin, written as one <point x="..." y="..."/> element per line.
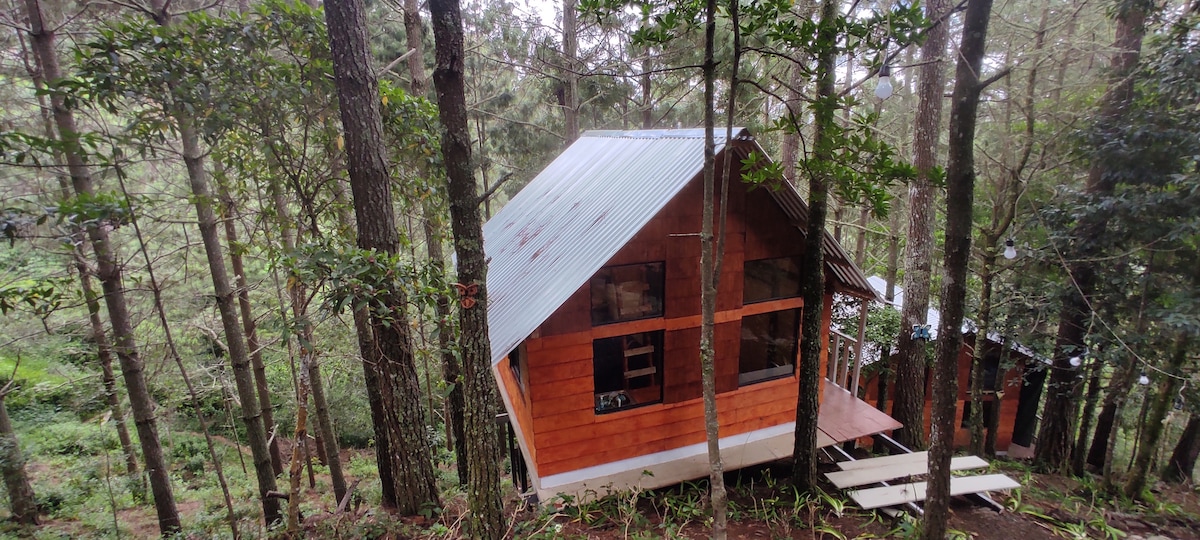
<point x="594" y="314"/>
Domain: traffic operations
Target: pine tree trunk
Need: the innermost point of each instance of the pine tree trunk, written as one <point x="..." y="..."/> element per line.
<point x="1136" y="478"/>
<point x="1104" y="439"/>
<point x="296" y="468"/>
<point x="249" y="327"/>
<point x="451" y="369"/>
<point x="21" y="500"/>
<point x="889" y="295"/>
<point x="90" y="298"/>
<point x="570" y="103"/>
<point x="218" y="468"/>
<point x="239" y="357"/>
<point x="976" y="420"/>
<point x="960" y="200"/>
<point x="327" y="441"/>
<point x="812" y="264"/>
<point x="1104" y="426"/>
<point x="486" y="518"/>
<point x="1079" y="454"/>
<point x="1183" y="459"/>
<point x="647" y="88"/>
<point x="104" y="354"/>
<point x="910" y="361"/>
<point x="456" y="402"/>
<point x="1056" y="436"/>
<point x="403" y="455"/>
<point x="108" y="271"/>
<point x="708" y="287"/>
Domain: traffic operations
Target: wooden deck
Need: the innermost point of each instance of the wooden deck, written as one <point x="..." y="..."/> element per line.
<point x="844" y="417"/>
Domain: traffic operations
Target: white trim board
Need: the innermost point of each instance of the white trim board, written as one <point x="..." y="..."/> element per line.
<point x="915" y="492"/>
<point x="670" y="466"/>
<point x="862" y="477"/>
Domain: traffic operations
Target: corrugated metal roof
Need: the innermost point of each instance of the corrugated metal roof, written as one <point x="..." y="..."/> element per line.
<point x="933" y="317"/>
<point x="584" y="207"/>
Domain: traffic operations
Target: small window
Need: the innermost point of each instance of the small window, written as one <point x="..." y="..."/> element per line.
<point x="517" y="360"/>
<point x="771" y="279"/>
<point x="989" y="409"/>
<point x="628" y="371"/>
<point x="769" y="343"/>
<point x="626" y="293"/>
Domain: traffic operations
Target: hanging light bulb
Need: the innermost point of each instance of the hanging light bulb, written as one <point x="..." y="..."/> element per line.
<point x="883" y="90"/>
<point x="1076" y="361"/>
<point x="1010" y="249"/>
<point x="1143" y="380"/>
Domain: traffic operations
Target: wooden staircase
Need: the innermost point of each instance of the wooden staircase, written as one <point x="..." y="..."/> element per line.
<point x="863" y="473"/>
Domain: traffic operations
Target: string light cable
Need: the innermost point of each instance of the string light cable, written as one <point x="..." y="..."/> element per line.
<point x="1096" y="317"/>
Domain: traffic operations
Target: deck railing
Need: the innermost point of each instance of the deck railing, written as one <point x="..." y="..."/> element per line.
<point x="844" y="361"/>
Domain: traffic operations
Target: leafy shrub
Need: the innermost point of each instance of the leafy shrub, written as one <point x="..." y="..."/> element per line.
<point x="71" y="438"/>
<point x="190" y="455"/>
<point x="45" y="378"/>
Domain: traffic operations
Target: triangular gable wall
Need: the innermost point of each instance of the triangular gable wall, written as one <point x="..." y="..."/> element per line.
<point x="588" y="203"/>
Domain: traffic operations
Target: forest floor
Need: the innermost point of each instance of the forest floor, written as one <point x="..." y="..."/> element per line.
<point x="761" y="507"/>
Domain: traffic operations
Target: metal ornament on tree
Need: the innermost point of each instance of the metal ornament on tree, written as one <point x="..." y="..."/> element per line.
<point x="921" y="331"/>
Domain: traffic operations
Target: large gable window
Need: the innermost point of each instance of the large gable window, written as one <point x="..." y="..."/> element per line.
<point x="768" y="348"/>
<point x="626" y="293"/>
<point x="771" y="279"/>
<point x="628" y="371"/>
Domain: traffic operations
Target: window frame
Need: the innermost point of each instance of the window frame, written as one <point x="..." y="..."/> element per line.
<point x="627" y="394"/>
<point x="746" y="275"/>
<point x="518" y="363"/>
<point x="660" y="286"/>
<point x="778" y="373"/>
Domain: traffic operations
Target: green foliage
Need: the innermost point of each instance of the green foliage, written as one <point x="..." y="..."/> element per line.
<point x="71" y="438"/>
<point x="360" y="278"/>
<point x="109" y="209"/>
<point x="41" y="297"/>
<point x="45" y="384"/>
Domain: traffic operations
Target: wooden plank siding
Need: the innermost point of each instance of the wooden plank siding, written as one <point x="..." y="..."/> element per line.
<point x="1009" y="383"/>
<point x="610" y="437"/>
<point x="564" y="427"/>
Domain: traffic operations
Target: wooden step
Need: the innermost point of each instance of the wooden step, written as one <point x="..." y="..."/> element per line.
<point x="885" y="461"/>
<point x="915" y="492"/>
<point x="872" y="475"/>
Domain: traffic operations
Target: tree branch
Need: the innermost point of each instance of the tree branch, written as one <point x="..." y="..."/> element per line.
<point x="988" y="81"/>
<point x="492" y="190"/>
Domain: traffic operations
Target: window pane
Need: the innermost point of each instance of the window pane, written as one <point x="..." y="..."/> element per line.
<point x="771" y="279"/>
<point x="768" y="346"/>
<point x="627" y="370"/>
<point x="625" y="293"/>
<point x="516" y="362"/>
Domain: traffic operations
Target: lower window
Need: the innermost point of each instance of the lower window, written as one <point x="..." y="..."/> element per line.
<point x="628" y="371"/>
<point x="769" y="342"/>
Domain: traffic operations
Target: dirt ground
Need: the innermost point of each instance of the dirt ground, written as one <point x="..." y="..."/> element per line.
<point x="1047" y="507"/>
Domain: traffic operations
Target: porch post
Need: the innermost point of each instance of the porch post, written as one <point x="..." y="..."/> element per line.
<point x="862" y="335"/>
